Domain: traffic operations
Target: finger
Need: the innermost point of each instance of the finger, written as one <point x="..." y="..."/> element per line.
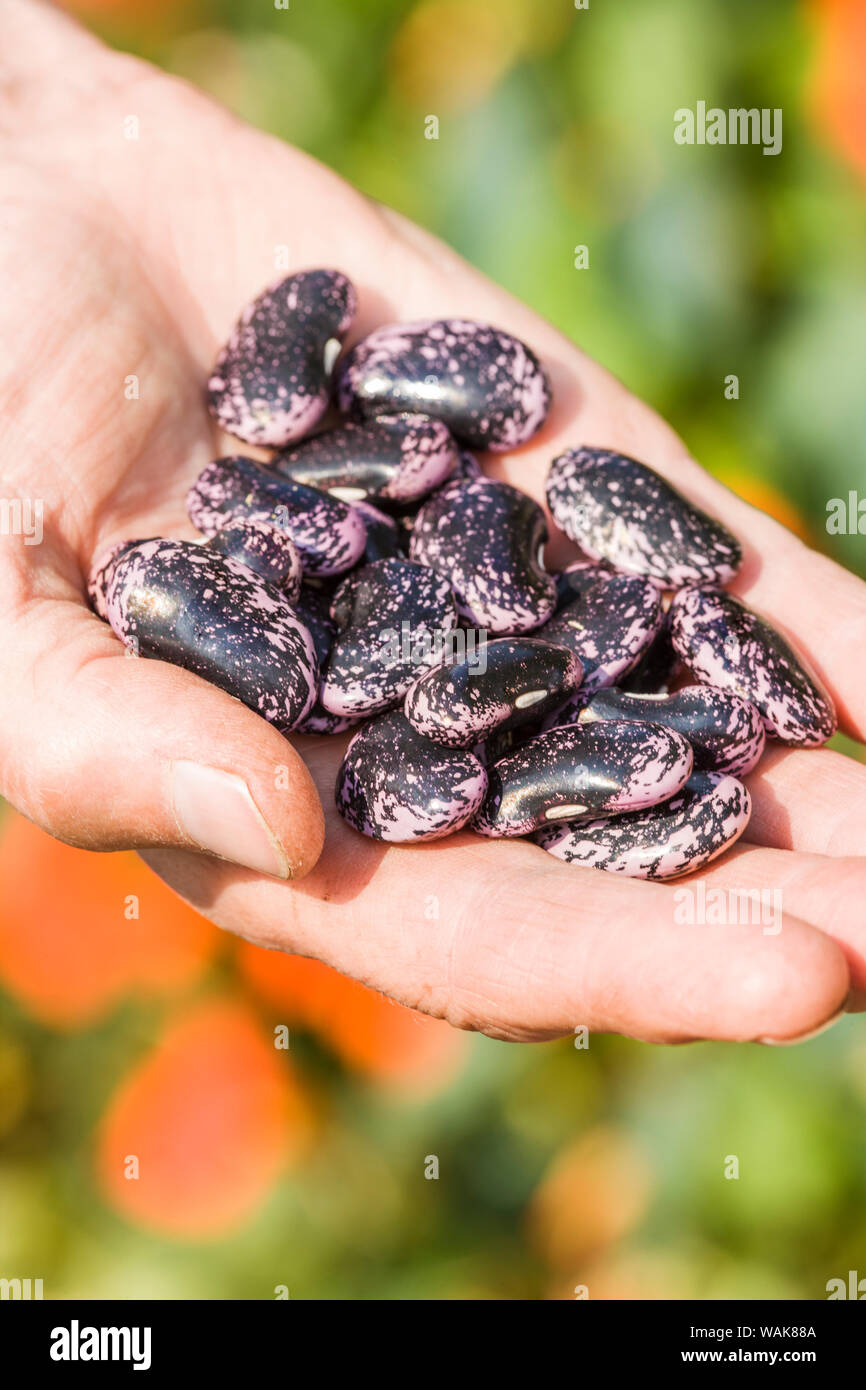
<point x="808" y="801"/>
<point x="505" y="939"/>
<point x="763" y="886"/>
<point x="107" y="752"/>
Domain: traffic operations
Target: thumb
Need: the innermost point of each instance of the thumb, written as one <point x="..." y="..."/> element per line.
<point x="110" y="752"/>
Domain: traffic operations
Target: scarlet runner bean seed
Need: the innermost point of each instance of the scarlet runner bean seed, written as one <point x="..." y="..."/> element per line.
<point x="568" y="734"/>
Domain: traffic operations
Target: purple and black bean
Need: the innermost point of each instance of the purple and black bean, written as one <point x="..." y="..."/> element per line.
<point x="190" y="605"/>
<point x="487" y="387"/>
<point x="371" y="578"/>
<point x="486" y="539"/>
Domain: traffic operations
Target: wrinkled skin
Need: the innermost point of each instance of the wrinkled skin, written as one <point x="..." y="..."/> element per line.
<point x="138" y="262"/>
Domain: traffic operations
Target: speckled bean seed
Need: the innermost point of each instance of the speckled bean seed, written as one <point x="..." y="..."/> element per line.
<point x="486" y="538"/>
<point x="582" y="772"/>
<point x="392" y="617"/>
<point x="507" y="683"/>
<point x="619" y="510"/>
<point x="667" y="841"/>
<point x="610" y="622"/>
<point x="489" y="388"/>
<point x="724" y="643"/>
<point x="398" y="458"/>
<point x="726" y="732"/>
<point x="271" y="382"/>
<point x="395" y="785"/>
<point x="329" y="534"/>
<point x="183" y="603"/>
<point x="266" y="550"/>
<point x="100" y="575"/>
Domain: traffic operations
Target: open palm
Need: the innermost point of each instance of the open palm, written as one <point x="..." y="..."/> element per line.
<point x="124" y="263"/>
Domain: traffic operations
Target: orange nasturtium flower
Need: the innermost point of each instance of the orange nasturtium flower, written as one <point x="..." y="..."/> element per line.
<point x="397" y="1046"/>
<point x="198" y="1133"/>
<point x="81" y="931"/>
<point x="838" y="91"/>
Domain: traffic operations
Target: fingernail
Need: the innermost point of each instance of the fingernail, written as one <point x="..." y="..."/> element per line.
<point x="215" y="810"/>
<point x="805" y="1037"/>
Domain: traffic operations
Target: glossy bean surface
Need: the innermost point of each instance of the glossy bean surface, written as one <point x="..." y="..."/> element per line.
<point x="393" y="617"/>
<point x="488" y="387"/>
<point x="271" y="382"/>
<point x="667" y="841"/>
<point x="619" y="510"/>
<point x="504" y="684"/>
<point x="398" y="458"/>
<point x="267" y="550"/>
<point x="725" y="731"/>
<point x="723" y="642"/>
<point x="329" y="534"/>
<point x="395" y="785"/>
<point x="485" y="538"/>
<point x="186" y="604"/>
<point x="583" y="771"/>
<point x="609" y="623"/>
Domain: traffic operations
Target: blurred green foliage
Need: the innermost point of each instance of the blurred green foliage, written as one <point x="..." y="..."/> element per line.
<point x="555" y="130"/>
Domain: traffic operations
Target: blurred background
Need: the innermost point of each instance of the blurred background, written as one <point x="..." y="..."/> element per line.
<point x="129" y="1026"/>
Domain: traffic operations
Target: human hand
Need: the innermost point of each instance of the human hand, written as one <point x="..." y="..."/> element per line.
<point x="130" y="258"/>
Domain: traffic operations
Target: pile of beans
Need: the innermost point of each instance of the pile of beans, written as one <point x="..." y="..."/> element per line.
<point x="369" y="577"/>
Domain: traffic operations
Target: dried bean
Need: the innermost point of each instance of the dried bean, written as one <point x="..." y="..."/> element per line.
<point x="271" y="382"/>
<point x="609" y="625"/>
<point x="725" y="643"/>
<point x="395" y="785"/>
<point x="619" y="510"/>
<point x="485" y="537"/>
<point x="488" y="387"/>
<point x="581" y="772"/>
<point x="329" y="534"/>
<point x="266" y="550"/>
<point x="507" y="683"/>
<point x="675" y="838"/>
<point x="392" y="617"/>
<point x="398" y="458"/>
<point x="725" y="731"/>
<point x="186" y="604"/>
